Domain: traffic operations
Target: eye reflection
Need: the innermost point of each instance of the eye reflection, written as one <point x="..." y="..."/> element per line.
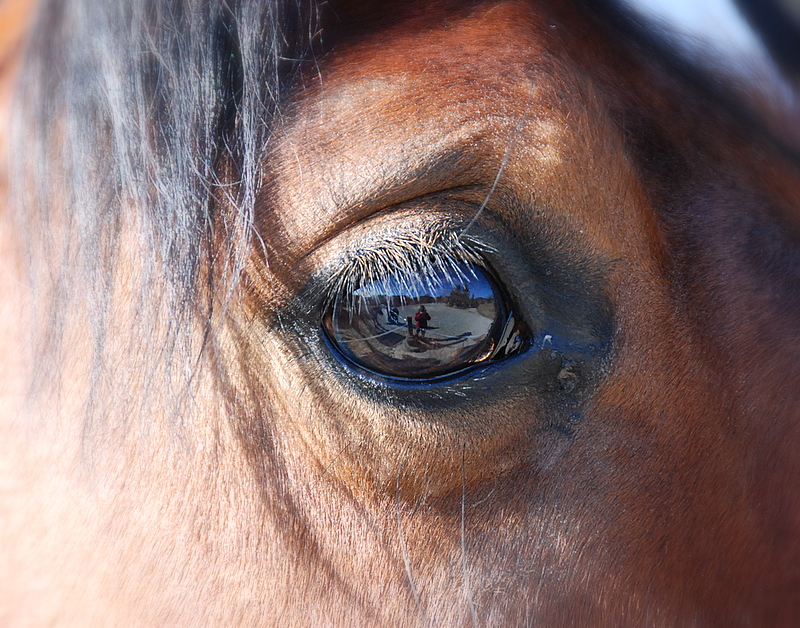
<point x="425" y="326"/>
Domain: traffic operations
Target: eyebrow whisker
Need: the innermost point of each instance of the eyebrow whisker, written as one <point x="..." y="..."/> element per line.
<point x="512" y="140"/>
<point x="464" y="563"/>
<point x="404" y="549"/>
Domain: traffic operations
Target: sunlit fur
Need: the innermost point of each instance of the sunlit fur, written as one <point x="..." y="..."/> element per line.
<point x="191" y="183"/>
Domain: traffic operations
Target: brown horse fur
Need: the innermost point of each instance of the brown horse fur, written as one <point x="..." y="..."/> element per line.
<point x="214" y="464"/>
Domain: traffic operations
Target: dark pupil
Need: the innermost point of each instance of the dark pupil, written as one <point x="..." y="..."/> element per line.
<point x="420" y="328"/>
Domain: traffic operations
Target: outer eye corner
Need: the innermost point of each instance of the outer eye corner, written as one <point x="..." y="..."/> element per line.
<point x="425" y="327"/>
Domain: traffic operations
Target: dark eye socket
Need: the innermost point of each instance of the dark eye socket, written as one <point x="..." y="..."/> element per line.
<point x="435" y="322"/>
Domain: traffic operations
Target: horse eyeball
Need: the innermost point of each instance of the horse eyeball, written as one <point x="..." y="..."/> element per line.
<point x="424" y="327"/>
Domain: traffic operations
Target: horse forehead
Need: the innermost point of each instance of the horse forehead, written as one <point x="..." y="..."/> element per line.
<point x="487" y="52"/>
<point x="468" y="73"/>
<point x="486" y="35"/>
<point x="446" y="101"/>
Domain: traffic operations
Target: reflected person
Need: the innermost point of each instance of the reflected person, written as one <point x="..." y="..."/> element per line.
<point x="393" y="314"/>
<point x="421" y="319"/>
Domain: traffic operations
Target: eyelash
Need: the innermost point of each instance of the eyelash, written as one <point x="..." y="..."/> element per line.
<point x="412" y="256"/>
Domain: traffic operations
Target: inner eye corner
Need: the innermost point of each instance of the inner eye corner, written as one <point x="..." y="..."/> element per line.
<point x="426" y="322"/>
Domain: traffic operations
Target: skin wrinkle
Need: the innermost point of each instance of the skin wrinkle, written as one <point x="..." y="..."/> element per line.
<point x="286" y="490"/>
<point x="381" y="189"/>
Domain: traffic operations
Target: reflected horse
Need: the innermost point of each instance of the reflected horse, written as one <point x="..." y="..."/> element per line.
<point x="193" y="187"/>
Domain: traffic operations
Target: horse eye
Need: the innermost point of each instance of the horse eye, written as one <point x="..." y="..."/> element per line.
<point x="425" y="327"/>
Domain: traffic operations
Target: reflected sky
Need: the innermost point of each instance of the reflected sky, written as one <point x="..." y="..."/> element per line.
<point x="462" y="275"/>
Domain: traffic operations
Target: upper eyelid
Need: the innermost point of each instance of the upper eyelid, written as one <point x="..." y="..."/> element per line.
<point x="442" y="203"/>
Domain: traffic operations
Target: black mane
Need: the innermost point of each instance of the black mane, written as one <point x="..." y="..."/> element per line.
<point x="153" y="114"/>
